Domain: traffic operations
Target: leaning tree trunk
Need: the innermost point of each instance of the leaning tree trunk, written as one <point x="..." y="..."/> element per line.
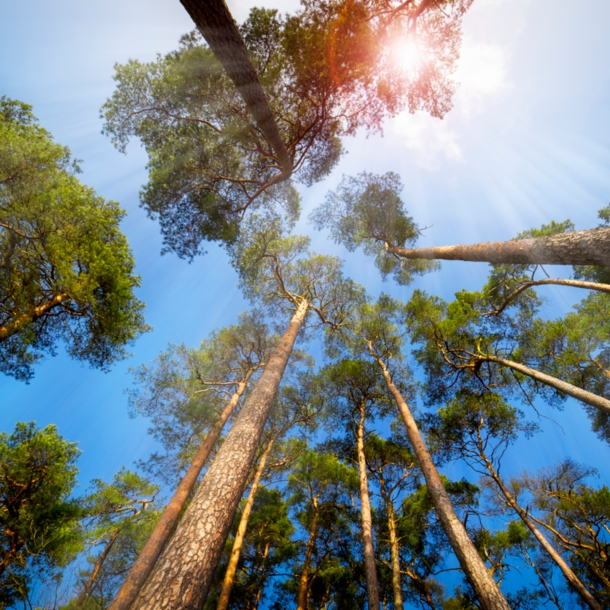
<point x="603" y="404"/>
<point x="485" y="588"/>
<point x="590" y="247"/>
<point x="182" y="576"/>
<point x="227" y="584"/>
<point x="98" y="566"/>
<point x="576" y="583"/>
<point x="146" y="560"/>
<point x="216" y="24"/>
<point x="311" y="543"/>
<point x="370" y="569"/>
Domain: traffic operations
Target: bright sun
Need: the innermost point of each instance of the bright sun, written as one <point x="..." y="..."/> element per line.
<point x="407" y="54"/>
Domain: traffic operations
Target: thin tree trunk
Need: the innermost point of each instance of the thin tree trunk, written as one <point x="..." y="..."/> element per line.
<point x="98" y="566"/>
<point x="485" y="588"/>
<point x="554" y="282"/>
<point x="182" y="576"/>
<point x="227" y="585"/>
<point x="155" y="544"/>
<point x="576" y="583"/>
<point x="590" y="247"/>
<point x="36" y="312"/>
<point x="588" y="398"/>
<point x="311" y="543"/>
<point x="372" y="586"/>
<point x="396" y="579"/>
<point x="216" y="24"/>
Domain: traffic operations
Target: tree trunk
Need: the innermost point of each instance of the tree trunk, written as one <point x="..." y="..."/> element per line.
<point x="372" y="586"/>
<point x="485" y="588"/>
<point x="396" y="579"/>
<point x="588" y="398"/>
<point x="311" y="543"/>
<point x="182" y="576"/>
<point x="216" y="24"/>
<point x="98" y="566"/>
<point x="590" y="247"/>
<point x="227" y="585"/>
<point x="554" y="282"/>
<point x="576" y="583"/>
<point x="145" y="562"/>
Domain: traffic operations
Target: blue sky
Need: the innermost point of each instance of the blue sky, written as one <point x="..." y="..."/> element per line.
<point x="527" y="142"/>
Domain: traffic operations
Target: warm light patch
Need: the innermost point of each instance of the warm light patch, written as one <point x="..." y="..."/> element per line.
<point x="407" y="54"/>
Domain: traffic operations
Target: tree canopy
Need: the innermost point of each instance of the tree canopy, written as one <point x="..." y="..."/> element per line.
<point x="66" y="271"/>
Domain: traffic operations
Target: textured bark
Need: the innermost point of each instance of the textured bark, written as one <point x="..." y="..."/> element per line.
<point x="588" y="398"/>
<point x="145" y="562"/>
<point x="485" y="588"/>
<point x="98" y="566"/>
<point x="182" y="576"/>
<point x="311" y="543"/>
<point x="396" y="580"/>
<point x="576" y="583"/>
<point x="590" y="247"/>
<point x="370" y="569"/>
<point x="216" y="24"/>
<point x="227" y="584"/>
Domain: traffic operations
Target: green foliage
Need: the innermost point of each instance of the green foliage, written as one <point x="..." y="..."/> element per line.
<point x="577" y="516"/>
<point x="37" y="519"/>
<point x="118" y="518"/>
<point x="366" y="211"/>
<point x="184" y="390"/>
<point x="66" y="271"/>
<point x="279" y="272"/>
<point x="326" y="71"/>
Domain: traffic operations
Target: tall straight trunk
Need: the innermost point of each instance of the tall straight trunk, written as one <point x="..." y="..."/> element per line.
<point x="98" y="566"/>
<point x="485" y="588"/>
<point x="311" y="543"/>
<point x="603" y="404"/>
<point x="227" y="585"/>
<point x="590" y="247"/>
<point x="576" y="583"/>
<point x="370" y="569"/>
<point x="181" y="578"/>
<point x="216" y="24"/>
<point x="146" y="560"/>
<point x="396" y="579"/>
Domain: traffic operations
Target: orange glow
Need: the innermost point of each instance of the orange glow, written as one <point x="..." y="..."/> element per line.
<point x="407" y="53"/>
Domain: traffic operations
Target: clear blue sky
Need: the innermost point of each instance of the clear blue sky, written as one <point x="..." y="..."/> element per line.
<point x="527" y="142"/>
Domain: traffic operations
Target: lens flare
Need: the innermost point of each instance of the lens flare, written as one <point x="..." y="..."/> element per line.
<point x="407" y="54"/>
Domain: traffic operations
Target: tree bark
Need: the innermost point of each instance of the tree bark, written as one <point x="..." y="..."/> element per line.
<point x="485" y="588"/>
<point x="36" y="312"/>
<point x="182" y="576"/>
<point x="216" y="24"/>
<point x="396" y="579"/>
<point x="588" y="398"/>
<point x="145" y="562"/>
<point x="590" y="247"/>
<point x="576" y="583"/>
<point x="311" y="543"/>
<point x="370" y="569"/>
<point x="227" y="584"/>
<point x="98" y="566"/>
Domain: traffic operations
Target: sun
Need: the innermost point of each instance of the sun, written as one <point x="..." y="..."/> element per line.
<point x="407" y="54"/>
